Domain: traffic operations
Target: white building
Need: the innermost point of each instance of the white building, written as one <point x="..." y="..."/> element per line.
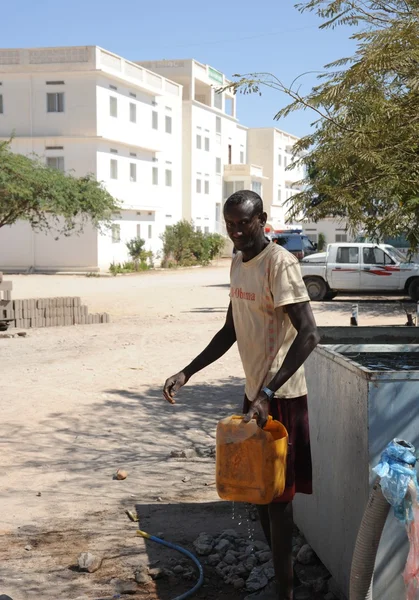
<point x="215" y="161"/>
<point x="272" y="150"/>
<point x="84" y="109"/>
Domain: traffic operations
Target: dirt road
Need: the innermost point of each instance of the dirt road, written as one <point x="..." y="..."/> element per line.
<point x="77" y="403"/>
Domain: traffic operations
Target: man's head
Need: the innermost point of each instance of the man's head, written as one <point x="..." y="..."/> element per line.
<point x="245" y="219"/>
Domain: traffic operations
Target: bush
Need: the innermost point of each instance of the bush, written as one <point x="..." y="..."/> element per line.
<point x="142" y="258"/>
<point x="128" y="267"/>
<point x="322" y="242"/>
<point x="183" y="246"/>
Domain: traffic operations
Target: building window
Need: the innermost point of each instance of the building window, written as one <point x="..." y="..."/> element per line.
<point x="230" y="152"/>
<point x="242" y="155"/>
<point x="132" y="112"/>
<point x="155" y="174"/>
<point x="207" y="144"/>
<point x="218" y="166"/>
<point x="341" y="237"/>
<point x="206" y="187"/>
<point x="168" y="178"/>
<point x="279" y="195"/>
<point x="198" y="186"/>
<point x="155" y="119"/>
<point x="168" y="124"/>
<point x="114" y="169"/>
<point x="199" y="228"/>
<point x="150" y="232"/>
<point x="206" y="229"/>
<point x="116" y="234"/>
<point x="132" y="172"/>
<point x="279" y="160"/>
<point x="55" y="102"/>
<point x="113" y="106"/>
<point x="217" y="124"/>
<point x="56" y="162"/>
<point x="1" y="104"/>
<point x="138" y="230"/>
<point x="218" y="100"/>
<point x="285" y="162"/>
<point x="257" y="187"/>
<point x="199" y="142"/>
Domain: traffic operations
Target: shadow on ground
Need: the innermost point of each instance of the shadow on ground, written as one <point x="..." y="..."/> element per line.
<point x="71" y="458"/>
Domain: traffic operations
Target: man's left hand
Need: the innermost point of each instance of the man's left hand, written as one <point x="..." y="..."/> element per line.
<point x="259" y="408"/>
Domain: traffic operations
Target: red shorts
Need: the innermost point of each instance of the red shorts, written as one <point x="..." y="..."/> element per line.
<point x="293" y="414"/>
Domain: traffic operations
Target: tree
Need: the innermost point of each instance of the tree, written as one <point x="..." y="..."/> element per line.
<point x="139" y="255"/>
<point x="361" y="157"/>
<point x="185" y="246"/>
<point x="48" y="198"/>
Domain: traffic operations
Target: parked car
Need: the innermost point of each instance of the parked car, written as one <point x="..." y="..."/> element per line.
<point x="295" y="242"/>
<point x="359" y="267"/>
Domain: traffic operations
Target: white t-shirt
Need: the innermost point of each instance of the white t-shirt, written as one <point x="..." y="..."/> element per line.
<point x="259" y="291"/>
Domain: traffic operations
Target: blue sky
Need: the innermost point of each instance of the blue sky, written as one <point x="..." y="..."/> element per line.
<point x="232" y="36"/>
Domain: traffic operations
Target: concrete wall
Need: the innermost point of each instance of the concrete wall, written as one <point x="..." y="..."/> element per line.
<point x="338" y="416"/>
<point x="21" y="249"/>
<point x="354" y="414"/>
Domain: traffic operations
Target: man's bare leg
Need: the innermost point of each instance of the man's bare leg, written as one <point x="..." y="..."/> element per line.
<point x="277" y="524"/>
<point x="281" y="529"/>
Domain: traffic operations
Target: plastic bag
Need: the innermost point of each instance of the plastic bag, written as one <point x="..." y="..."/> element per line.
<point x="411" y="571"/>
<point x="397" y="471"/>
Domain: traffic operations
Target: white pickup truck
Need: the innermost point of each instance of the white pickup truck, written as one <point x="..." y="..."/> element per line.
<point x="363" y="268"/>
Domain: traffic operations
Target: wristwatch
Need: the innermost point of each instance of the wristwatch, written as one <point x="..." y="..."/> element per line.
<point x="268" y="392"/>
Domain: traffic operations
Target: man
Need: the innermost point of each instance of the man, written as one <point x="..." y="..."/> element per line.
<point x="271" y="319"/>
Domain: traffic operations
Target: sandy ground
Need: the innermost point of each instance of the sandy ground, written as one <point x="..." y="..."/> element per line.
<point x="77" y="403"/>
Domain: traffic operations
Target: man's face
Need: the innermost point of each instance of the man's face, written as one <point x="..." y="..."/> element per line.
<point x="243" y="226"/>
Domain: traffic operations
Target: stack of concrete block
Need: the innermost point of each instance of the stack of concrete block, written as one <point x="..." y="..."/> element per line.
<point x="54" y="312"/>
<point x="45" y="312"/>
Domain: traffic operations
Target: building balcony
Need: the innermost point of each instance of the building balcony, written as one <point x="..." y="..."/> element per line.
<point x="240" y="171"/>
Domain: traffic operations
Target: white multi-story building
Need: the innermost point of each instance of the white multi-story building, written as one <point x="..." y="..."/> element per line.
<point x="272" y="149"/>
<point x="215" y="162"/>
<point x="86" y="110"/>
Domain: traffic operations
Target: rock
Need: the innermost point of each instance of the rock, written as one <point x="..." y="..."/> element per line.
<point x="249" y="550"/>
<point x="39" y="494"/>
<point x="204" y="544"/>
<point x="257" y="580"/>
<point x="205" y="451"/>
<point x="222" y="547"/>
<point x="329" y="596"/>
<point x="238" y="583"/>
<point x="188" y="575"/>
<point x="28" y="548"/>
<point x="214" y="559"/>
<point x="187" y="453"/>
<point x="5" y="597"/>
<point x="126" y="587"/>
<point x="89" y="562"/>
<point x="303" y="593"/>
<point x="220" y="568"/>
<point x="268" y="593"/>
<point x="258" y="545"/>
<point x="156" y="573"/>
<point x="310" y="574"/>
<point x="178" y="569"/>
<point x="268" y="569"/>
<point x="229" y="534"/>
<point x="250" y="563"/>
<point x="186" y="479"/>
<point x="238" y="570"/>
<point x="230" y="558"/>
<point x="263" y="556"/>
<point x="159" y="499"/>
<point x="141" y="575"/>
<point x="306" y="555"/>
<point x="121" y="474"/>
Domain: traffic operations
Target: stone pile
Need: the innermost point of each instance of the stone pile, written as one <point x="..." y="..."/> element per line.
<point x="44" y="312"/>
<point x="247" y="565"/>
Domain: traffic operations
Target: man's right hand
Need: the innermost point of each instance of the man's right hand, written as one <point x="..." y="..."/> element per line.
<point x="173" y="385"/>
